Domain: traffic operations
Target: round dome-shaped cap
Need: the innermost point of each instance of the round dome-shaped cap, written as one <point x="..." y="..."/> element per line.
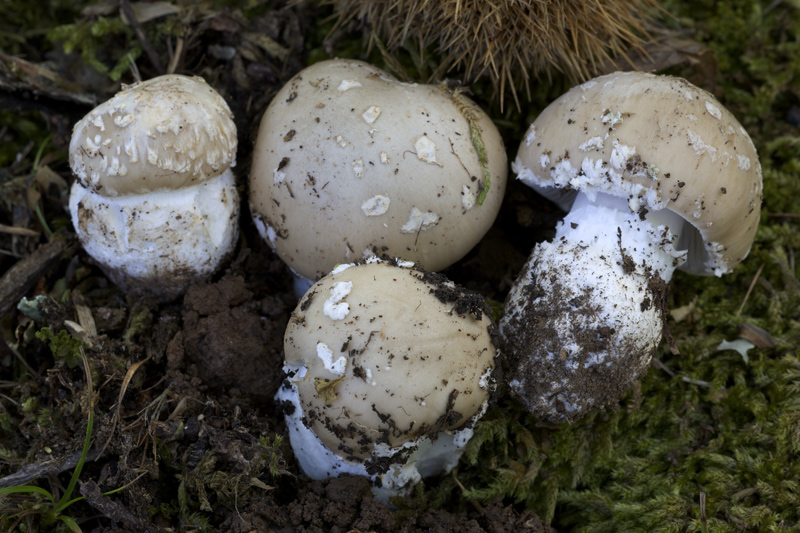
<point x="384" y="357"/>
<point x="165" y="133"/>
<point x="661" y="143"/>
<point x="350" y="162"/>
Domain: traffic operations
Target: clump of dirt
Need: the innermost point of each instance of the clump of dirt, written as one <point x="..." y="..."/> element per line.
<point x="230" y="339"/>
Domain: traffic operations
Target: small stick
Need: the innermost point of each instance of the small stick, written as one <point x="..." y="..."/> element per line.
<point x="478" y="507"/>
<point x="698" y="382"/>
<point x="13" y="230"/>
<point x="176" y="57"/>
<point x="33" y="471"/>
<point x="750" y="289"/>
<point x="127" y="10"/>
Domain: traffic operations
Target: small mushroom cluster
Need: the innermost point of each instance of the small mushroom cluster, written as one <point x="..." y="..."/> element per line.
<point x="154" y="201"/>
<point x="388" y="366"/>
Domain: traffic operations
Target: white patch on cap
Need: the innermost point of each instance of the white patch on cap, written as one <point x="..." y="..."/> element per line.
<point x="620" y="155"/>
<point x="385" y="158"/>
<point x="341" y="268"/>
<point x="358" y="168"/>
<point x="426" y="150"/>
<point x="278" y="176"/>
<point x="326" y="356"/>
<point x="333" y="307"/>
<point x="122" y="121"/>
<point x="91" y="147"/>
<point x="612" y="119"/>
<point x="529" y="138"/>
<point x="131" y="150"/>
<point x="698" y="212"/>
<point x="744" y="161"/>
<point x="700" y="147"/>
<point x="467" y="198"/>
<point x="420" y="221"/>
<point x="97" y="122"/>
<point x="297" y="369"/>
<point x="348" y="84"/>
<point x="371" y="114"/>
<point x="266" y="231"/>
<point x="376" y="206"/>
<point x="595" y="143"/>
<point x="485" y="379"/>
<point x="713" y="110"/>
<point x="544" y="160"/>
<point x="341" y="141"/>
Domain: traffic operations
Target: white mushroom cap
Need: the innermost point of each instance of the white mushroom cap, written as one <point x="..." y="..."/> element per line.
<point x="164" y="133"/>
<point x="660" y="143"/>
<point x="349" y="162"/>
<point x="389" y="368"/>
<point x="155" y="201"/>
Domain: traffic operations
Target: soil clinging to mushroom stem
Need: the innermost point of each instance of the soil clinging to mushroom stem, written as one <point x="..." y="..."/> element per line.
<point x="595" y="385"/>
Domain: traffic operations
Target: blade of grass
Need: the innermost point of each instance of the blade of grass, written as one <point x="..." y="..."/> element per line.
<point x="30" y="489"/>
<point x="70" y="523"/>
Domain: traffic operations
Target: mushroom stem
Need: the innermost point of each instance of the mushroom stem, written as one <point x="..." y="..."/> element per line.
<point x="161" y="241"/>
<point x="586" y="314"/>
<point x="301" y="284"/>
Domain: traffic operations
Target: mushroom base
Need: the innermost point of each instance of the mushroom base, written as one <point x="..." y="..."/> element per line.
<point x="586" y="314"/>
<point x="427" y="457"/>
<point x="158" y="243"/>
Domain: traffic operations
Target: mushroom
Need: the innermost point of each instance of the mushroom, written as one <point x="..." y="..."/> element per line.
<point x="658" y="176"/>
<point x="154" y="201"/>
<point x="389" y="367"/>
<point x="349" y="162"/>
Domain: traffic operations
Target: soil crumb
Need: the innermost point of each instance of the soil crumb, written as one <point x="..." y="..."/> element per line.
<point x="228" y="340"/>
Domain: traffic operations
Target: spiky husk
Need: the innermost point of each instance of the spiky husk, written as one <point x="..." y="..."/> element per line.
<point x="509" y="41"/>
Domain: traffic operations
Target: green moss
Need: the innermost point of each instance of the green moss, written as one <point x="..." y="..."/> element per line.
<point x="89" y="38"/>
<point x="65" y="347"/>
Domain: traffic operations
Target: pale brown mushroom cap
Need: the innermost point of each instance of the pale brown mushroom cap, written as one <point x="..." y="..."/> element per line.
<point x="350" y="162"/>
<point x="164" y="133"/>
<point x="660" y="142"/>
<point x="391" y="354"/>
